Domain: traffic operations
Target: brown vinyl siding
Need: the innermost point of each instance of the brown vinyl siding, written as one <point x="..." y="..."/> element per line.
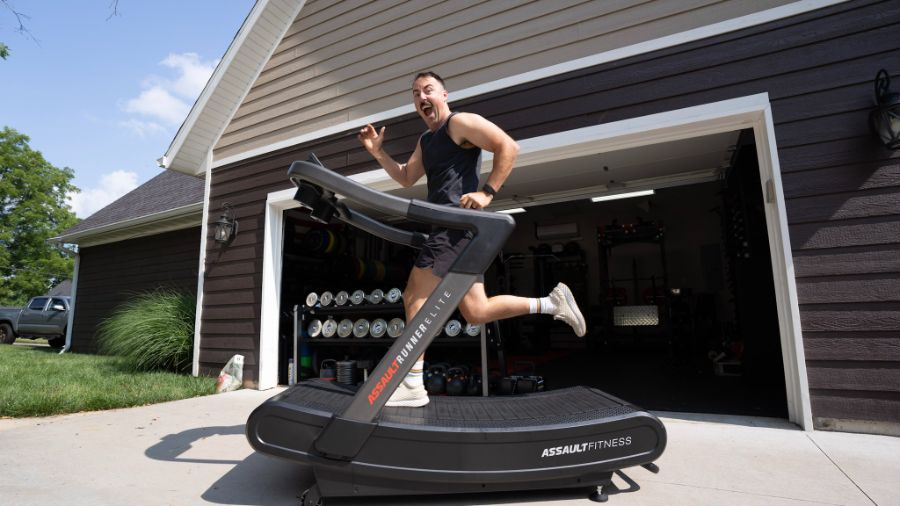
<point x="351" y="59"/>
<point x="841" y="187"/>
<point x="109" y="274"/>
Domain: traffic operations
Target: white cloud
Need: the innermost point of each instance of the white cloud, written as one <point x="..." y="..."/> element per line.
<point x="143" y="128"/>
<point x="158" y="103"/>
<point x="111" y="187"/>
<point x="169" y="100"/>
<point x="194" y="73"/>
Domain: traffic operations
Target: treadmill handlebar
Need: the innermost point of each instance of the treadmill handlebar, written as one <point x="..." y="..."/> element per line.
<point x="490" y="229"/>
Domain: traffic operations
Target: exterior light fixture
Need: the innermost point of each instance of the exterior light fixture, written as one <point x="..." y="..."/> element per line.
<point x="226" y="226"/>
<point x="622" y="196"/>
<point x="885" y="118"/>
<point x="515" y="210"/>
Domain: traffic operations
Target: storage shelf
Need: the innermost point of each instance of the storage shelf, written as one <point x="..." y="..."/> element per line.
<point x="360" y="309"/>
<point x="387" y="341"/>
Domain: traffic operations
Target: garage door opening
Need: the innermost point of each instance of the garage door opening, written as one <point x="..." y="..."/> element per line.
<point x="677" y="288"/>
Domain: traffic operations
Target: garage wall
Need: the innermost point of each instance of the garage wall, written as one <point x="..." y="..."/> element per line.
<point x="842" y="188"/>
<point x="350" y="59"/>
<point x="111" y="273"/>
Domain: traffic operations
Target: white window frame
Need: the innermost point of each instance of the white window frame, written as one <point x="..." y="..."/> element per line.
<point x="752" y="111"/>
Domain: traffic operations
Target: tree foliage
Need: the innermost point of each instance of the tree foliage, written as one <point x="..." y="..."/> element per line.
<point x="33" y="208"/>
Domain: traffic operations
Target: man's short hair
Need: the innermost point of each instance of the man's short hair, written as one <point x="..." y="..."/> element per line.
<point x="430" y="74"/>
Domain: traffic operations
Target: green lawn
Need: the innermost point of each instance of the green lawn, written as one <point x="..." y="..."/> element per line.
<point x="38" y="381"/>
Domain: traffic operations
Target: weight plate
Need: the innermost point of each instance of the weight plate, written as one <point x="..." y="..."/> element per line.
<point x="345" y="328"/>
<point x="314" y="328"/>
<point x="341" y="298"/>
<point x="326" y="299"/>
<point x="453" y="328"/>
<point x="395" y="327"/>
<point x="311" y="299"/>
<point x="329" y="327"/>
<point x="357" y="297"/>
<point x="379" y="327"/>
<point x="473" y="330"/>
<point x="361" y="328"/>
<point x="393" y="295"/>
<point x="376" y="296"/>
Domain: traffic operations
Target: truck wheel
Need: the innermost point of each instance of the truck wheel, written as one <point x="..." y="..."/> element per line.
<point x="6" y="334"/>
<point x="57" y="342"/>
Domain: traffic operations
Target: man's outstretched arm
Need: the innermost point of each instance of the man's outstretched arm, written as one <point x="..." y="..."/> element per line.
<point x="404" y="173"/>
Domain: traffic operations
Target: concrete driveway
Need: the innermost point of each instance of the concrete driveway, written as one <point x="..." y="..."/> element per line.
<point x="194" y="452"/>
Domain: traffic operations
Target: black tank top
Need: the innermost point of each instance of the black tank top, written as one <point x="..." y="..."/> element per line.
<point x="452" y="171"/>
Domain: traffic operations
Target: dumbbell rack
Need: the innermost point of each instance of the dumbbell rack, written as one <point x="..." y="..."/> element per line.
<point x="303" y="314"/>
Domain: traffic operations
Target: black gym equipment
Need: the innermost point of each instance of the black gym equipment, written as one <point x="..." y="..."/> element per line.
<point x="567" y="438"/>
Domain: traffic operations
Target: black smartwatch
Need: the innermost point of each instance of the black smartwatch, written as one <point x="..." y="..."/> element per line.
<point x="489" y="190"/>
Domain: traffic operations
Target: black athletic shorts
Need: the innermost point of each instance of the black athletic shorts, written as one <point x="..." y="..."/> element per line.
<point x="441" y="249"/>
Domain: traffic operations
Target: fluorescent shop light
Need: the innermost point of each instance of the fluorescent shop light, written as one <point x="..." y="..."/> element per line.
<point x="622" y="196"/>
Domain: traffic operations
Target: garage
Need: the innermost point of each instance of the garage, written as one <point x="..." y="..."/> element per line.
<point x="664" y="246"/>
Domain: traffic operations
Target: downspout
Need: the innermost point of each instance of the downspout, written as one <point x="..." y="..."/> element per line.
<point x="71" y="317"/>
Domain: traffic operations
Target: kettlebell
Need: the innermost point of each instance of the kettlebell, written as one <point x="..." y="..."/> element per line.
<point x="474" y="386"/>
<point x="457" y="377"/>
<point x="328" y="369"/>
<point x="436" y="379"/>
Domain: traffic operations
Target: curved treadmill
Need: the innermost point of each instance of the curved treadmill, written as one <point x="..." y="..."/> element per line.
<point x="573" y="437"/>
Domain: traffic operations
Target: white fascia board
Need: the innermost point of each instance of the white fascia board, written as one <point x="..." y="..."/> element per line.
<point x="241" y="40"/>
<point x="702" y="32"/>
<point x="160" y="217"/>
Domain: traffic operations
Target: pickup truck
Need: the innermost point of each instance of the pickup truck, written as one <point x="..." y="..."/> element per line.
<point x="43" y="317"/>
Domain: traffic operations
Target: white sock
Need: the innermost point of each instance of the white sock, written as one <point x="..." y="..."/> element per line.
<point x="414" y="378"/>
<point x="543" y="305"/>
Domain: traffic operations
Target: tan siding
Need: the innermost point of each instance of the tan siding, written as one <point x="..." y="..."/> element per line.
<point x="351" y="59"/>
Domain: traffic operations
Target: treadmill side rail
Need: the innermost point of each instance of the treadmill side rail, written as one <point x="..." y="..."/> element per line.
<point x="342" y="438"/>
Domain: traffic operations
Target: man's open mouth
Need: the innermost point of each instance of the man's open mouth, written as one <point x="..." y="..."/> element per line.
<point x="427" y="109"/>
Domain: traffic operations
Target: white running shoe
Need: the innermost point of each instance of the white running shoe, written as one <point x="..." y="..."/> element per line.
<point x="409" y="396"/>
<point x="567" y="309"/>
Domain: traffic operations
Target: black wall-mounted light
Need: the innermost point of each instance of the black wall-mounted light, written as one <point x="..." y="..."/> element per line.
<point x="226" y="226"/>
<point x="885" y="118"/>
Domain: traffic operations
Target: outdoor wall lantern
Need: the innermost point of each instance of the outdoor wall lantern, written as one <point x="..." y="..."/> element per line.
<point x="226" y="226"/>
<point x="885" y="118"/>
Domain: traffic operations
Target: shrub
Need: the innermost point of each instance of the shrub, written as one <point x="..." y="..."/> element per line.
<point x="152" y="331"/>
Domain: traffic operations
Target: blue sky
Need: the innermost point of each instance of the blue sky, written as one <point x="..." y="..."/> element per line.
<point x="105" y="97"/>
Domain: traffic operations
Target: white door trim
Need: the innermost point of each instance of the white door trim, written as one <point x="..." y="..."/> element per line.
<point x="752" y="111"/>
<point x="270" y="302"/>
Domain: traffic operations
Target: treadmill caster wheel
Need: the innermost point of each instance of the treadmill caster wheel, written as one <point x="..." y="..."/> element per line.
<point x="312" y="497"/>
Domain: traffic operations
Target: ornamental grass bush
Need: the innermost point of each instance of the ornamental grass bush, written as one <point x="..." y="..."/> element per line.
<point x="152" y="331"/>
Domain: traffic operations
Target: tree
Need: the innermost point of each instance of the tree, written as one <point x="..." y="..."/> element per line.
<point x="33" y="208"/>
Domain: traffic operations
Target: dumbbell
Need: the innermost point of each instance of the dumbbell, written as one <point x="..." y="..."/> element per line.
<point x="361" y="328"/>
<point x="473" y="330"/>
<point x="341" y="298"/>
<point x="395" y="328"/>
<point x="393" y="296"/>
<point x="326" y="298"/>
<point x="376" y="296"/>
<point x="378" y="328"/>
<point x="329" y="327"/>
<point x="311" y="299"/>
<point x="315" y="328"/>
<point x="357" y="297"/>
<point x="345" y="328"/>
<point x="453" y="328"/>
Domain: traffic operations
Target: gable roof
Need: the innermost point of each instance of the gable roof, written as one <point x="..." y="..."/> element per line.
<point x="168" y="195"/>
<point x="245" y="58"/>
